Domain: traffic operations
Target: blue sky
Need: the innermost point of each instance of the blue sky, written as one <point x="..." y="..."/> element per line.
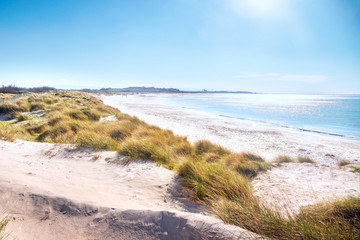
<point x="273" y="46"/>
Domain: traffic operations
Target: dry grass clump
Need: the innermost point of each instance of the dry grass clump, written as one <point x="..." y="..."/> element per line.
<point x="216" y="176"/>
<point x="246" y="164"/>
<point x="212" y="180"/>
<point x="3" y="224"/>
<point x="12" y="109"/>
<point x="10" y="132"/>
<point x="37" y="106"/>
<point x="283" y="159"/>
<point x="343" y="163"/>
<point x="301" y="159"/>
<point x="7" y="108"/>
<point x="23" y="117"/>
<point x="6" y="95"/>
<point x="161" y="146"/>
<point x="250" y="214"/>
<point x="333" y="220"/>
<point x="95" y="141"/>
<point x="84" y="114"/>
<point x="204" y="146"/>
<point x="147" y="149"/>
<point x="91" y="115"/>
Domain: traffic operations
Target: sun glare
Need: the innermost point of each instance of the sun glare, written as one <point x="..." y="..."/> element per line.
<point x="260" y="8"/>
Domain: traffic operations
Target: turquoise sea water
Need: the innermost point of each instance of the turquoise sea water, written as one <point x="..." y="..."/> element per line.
<point x="326" y="114"/>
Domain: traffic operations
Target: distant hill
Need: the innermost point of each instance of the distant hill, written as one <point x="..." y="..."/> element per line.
<point x="139" y="90"/>
<point x="154" y="90"/>
<point x="17" y="90"/>
<point x="206" y="91"/>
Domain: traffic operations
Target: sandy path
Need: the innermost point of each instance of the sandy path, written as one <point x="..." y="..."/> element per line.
<point x="85" y="176"/>
<point x="288" y="185"/>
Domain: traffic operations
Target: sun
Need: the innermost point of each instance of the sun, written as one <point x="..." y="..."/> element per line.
<point x="260" y="8"/>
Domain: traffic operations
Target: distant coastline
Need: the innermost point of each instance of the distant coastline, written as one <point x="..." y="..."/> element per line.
<point x="155" y="90"/>
<point x="13" y="89"/>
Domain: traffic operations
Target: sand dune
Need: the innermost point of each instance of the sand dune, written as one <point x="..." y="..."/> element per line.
<point x="58" y="192"/>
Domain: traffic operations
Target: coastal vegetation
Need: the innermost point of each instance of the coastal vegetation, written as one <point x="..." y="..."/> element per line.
<point x="343" y="163"/>
<point x="301" y="159"/>
<point x="3" y="224"/>
<point x="12" y="89"/>
<point x="216" y="176"/>
<point x="283" y="159"/>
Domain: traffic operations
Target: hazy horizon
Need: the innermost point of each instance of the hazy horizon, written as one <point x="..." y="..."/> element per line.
<point x="263" y="46"/>
<point x="200" y="90"/>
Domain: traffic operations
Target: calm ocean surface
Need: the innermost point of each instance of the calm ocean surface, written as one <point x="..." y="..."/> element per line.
<point x="328" y="114"/>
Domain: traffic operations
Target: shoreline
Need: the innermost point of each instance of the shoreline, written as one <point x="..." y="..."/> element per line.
<point x="239" y="135"/>
<point x="163" y="99"/>
<point x="279" y="125"/>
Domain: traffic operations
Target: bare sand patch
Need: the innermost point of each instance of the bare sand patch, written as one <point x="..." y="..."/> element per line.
<point x="85" y="176"/>
<point x="290" y="186"/>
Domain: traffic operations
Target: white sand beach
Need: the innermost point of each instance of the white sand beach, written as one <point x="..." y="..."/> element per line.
<point x="236" y="134"/>
<point x="295" y="184"/>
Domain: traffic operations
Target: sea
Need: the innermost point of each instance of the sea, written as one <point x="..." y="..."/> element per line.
<point x="337" y="115"/>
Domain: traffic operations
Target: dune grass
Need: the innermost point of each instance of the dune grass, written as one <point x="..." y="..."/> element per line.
<point x="283" y="159"/>
<point x="343" y="163"/>
<point x="217" y="177"/>
<point x="301" y="159"/>
<point x="3" y="224"/>
<point x="336" y="220"/>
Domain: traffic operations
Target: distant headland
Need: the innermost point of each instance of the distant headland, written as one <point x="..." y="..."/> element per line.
<point x="16" y="90"/>
<point x="155" y="90"/>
